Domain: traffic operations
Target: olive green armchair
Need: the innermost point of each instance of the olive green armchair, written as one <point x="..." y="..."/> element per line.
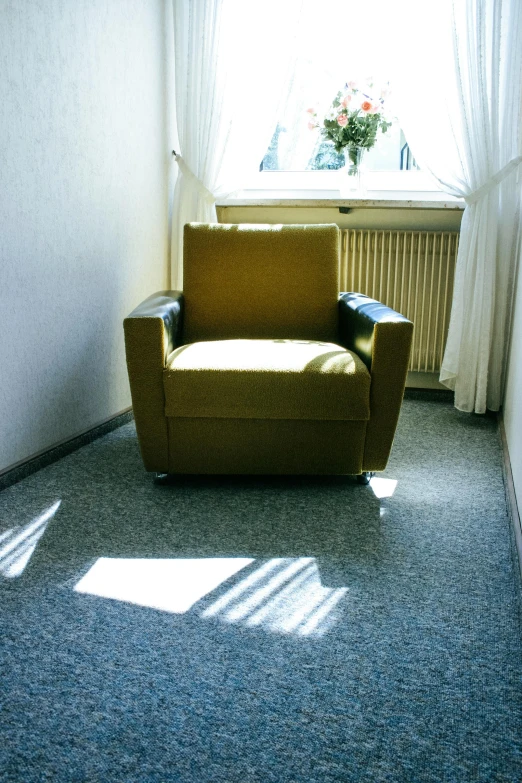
<point x="260" y="365"/>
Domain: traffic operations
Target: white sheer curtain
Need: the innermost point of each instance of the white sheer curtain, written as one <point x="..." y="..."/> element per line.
<point x="459" y="101"/>
<point x="233" y="68"/>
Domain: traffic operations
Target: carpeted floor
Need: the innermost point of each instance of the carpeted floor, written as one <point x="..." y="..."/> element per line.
<point x="268" y="630"/>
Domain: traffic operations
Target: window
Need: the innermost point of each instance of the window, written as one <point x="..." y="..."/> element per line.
<point x="294" y="148"/>
<point x="339" y="41"/>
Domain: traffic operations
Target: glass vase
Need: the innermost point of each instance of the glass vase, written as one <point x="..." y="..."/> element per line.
<point x="354" y="171"/>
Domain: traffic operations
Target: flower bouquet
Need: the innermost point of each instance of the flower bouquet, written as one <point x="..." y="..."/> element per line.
<point x="353" y="121"/>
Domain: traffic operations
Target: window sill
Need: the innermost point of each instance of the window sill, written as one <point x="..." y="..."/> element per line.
<point x="390" y="189"/>
<point x="372" y="200"/>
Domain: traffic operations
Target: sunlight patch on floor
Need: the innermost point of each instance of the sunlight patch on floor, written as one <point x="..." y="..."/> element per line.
<point x="289" y="599"/>
<point x="173" y="585"/>
<point x="282" y="595"/>
<point x="383" y="487"/>
<point x="18" y="544"/>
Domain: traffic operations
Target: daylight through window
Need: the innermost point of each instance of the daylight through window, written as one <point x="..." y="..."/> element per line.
<point x="343" y="48"/>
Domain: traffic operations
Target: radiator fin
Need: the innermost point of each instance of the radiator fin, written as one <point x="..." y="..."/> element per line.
<point x="412" y="272"/>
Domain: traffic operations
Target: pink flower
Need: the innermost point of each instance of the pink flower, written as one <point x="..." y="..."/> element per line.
<point x="352" y="85"/>
<point x="346" y="100"/>
<point x="312" y="125"/>
<point x="366" y="106"/>
<point x="310" y="111"/>
<point x="342" y="120"/>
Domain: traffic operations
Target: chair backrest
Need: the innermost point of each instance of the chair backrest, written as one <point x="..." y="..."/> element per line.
<point x="260" y="281"/>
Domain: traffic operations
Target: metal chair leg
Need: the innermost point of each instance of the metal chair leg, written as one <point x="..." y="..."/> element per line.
<point x="160" y="479"/>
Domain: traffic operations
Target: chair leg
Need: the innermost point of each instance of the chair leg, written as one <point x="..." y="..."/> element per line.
<point x="160" y="479"/>
<point x="364" y="478"/>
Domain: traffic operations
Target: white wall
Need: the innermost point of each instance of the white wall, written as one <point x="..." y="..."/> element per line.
<point x="83" y="207"/>
<point x="513" y="397"/>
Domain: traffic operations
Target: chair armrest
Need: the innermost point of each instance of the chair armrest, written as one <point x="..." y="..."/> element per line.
<point x="382" y="338"/>
<point x="152" y="331"/>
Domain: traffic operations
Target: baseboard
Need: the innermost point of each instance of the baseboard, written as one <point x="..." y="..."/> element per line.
<point x="424" y="380"/>
<point x="424" y="393"/>
<point x="510" y="492"/>
<point x="20" y="470"/>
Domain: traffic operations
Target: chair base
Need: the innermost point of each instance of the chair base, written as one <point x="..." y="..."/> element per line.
<point x="166" y="479"/>
<point x="265" y="446"/>
<point x="365" y="477"/>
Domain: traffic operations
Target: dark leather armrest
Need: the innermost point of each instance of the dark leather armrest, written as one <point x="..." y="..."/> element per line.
<point x="382" y="338"/>
<point x="358" y="317"/>
<point x="166" y="306"/>
<point x="152" y="331"/>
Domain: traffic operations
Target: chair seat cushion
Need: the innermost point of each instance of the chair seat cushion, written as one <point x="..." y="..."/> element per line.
<point x="266" y="379"/>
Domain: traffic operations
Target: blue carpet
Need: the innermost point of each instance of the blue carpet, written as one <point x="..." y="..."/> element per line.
<point x="346" y="636"/>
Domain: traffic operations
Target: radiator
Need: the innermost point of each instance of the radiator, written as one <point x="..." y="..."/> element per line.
<point x="410" y="271"/>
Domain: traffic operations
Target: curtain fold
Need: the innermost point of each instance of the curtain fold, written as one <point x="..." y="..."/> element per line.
<point x="461" y="111"/>
<point x="233" y="69"/>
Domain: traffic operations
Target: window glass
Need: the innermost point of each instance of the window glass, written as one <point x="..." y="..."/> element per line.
<point x="339" y="42"/>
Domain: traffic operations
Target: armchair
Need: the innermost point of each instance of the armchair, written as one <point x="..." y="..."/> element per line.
<point x="260" y="366"/>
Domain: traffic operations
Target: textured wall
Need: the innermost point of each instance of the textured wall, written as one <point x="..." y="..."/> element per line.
<point x="513" y="398"/>
<point x="83" y="207"/>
